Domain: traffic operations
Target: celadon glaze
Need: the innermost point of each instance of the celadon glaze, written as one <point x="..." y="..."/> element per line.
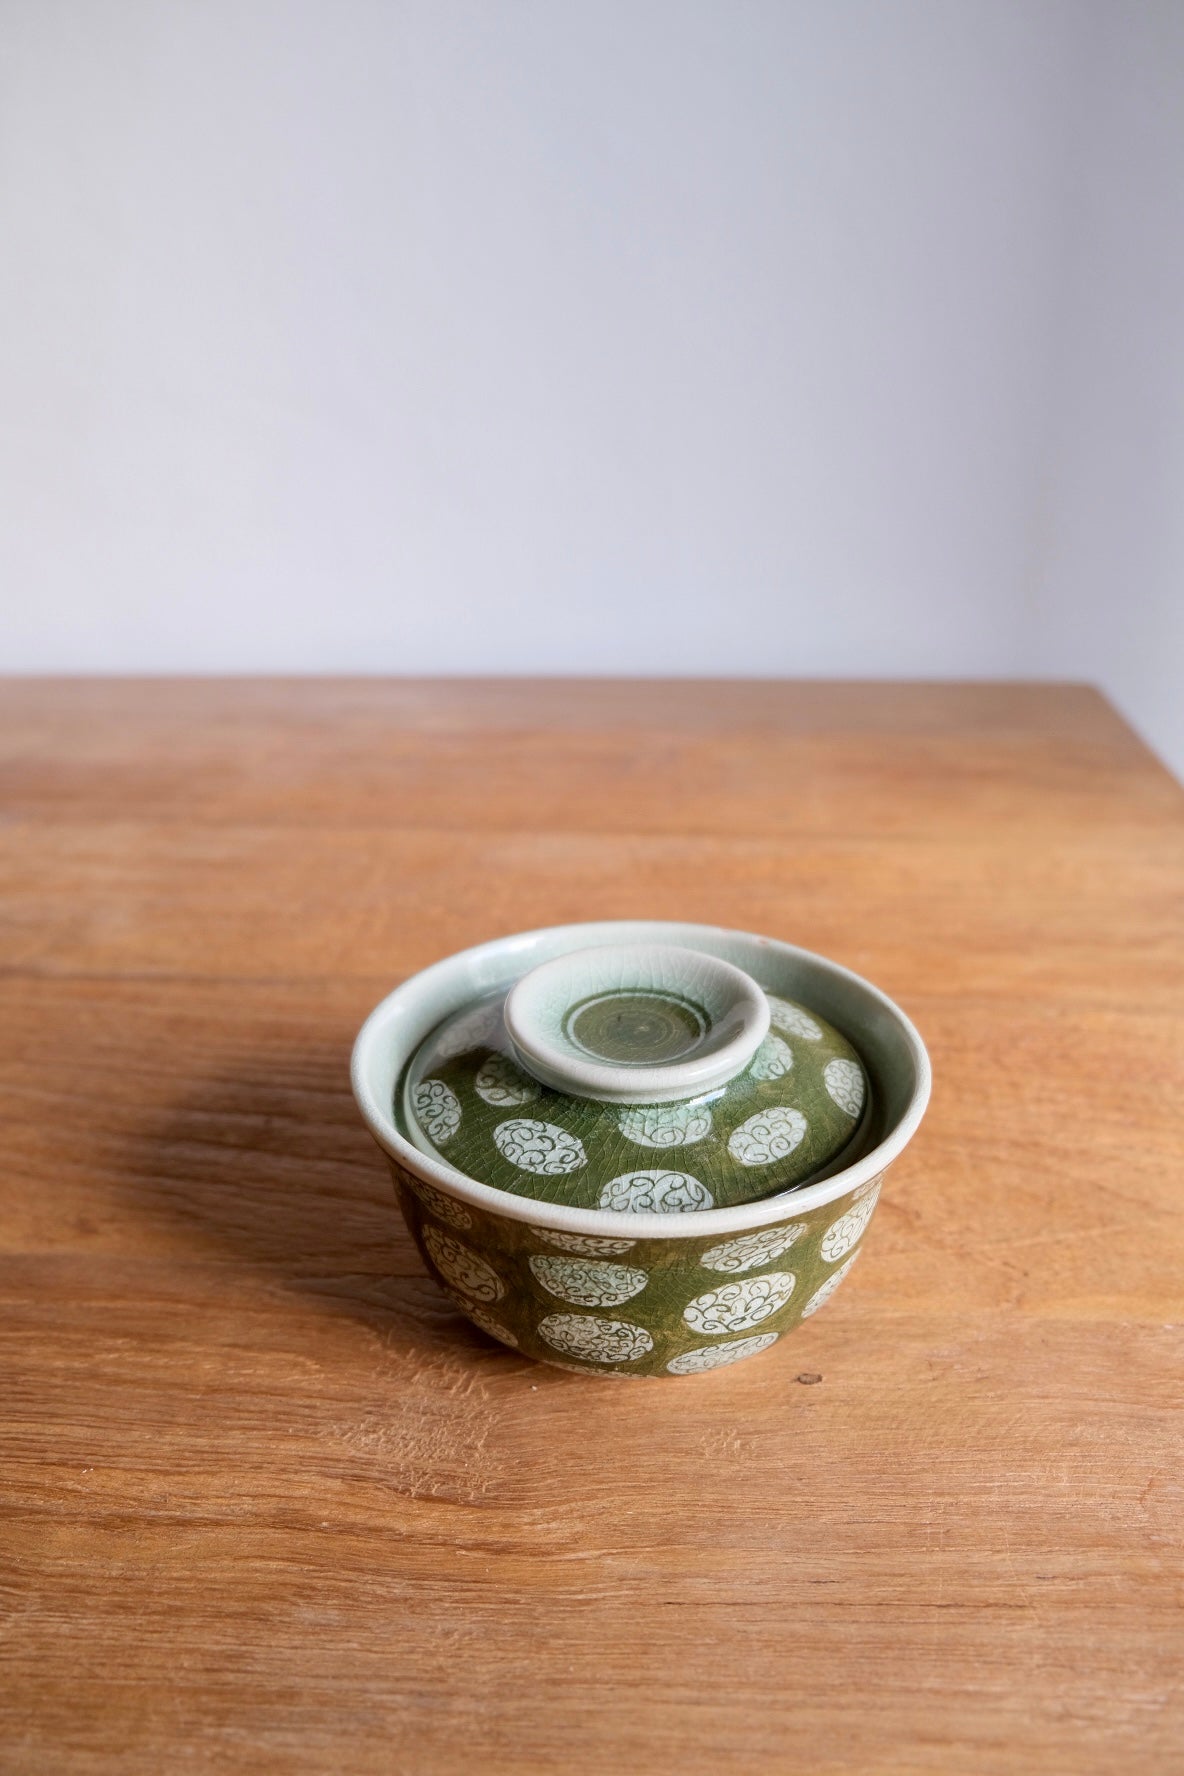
<point x="792" y="1109"/>
<point x="657" y="1286"/>
<point x="635" y="1023"/>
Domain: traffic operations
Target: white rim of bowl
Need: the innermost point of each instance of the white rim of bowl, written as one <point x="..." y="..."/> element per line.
<point x="615" y="1223"/>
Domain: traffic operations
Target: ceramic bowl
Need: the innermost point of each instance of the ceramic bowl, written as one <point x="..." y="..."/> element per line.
<point x="643" y="1293"/>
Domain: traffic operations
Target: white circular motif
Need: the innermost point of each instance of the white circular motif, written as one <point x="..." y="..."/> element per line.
<point x="767" y="1136"/>
<point x="502" y="1083"/>
<point x="539" y="1147"/>
<point x="588" y="1245"/>
<point x="735" y="1307"/>
<point x="445" y="1208"/>
<point x="844" y="1084"/>
<point x="494" y="1327"/>
<point x="823" y="1294"/>
<point x="483" y="1027"/>
<point x="717" y="1356"/>
<point x="606" y="1341"/>
<point x="792" y="1019"/>
<point x="437" y="1110"/>
<point x="842" y="1234"/>
<point x="587" y="1282"/>
<point x="665" y="1125"/>
<point x="772" y="1060"/>
<point x="462" y="1267"/>
<point x="655" y="1193"/>
<point x="752" y="1249"/>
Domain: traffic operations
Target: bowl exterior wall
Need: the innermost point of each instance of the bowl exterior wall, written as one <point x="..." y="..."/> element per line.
<point x="641" y="1307"/>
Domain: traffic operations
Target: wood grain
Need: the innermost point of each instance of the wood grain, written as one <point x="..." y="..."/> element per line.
<point x="269" y="1504"/>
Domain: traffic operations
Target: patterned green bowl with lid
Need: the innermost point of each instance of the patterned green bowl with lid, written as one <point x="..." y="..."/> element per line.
<point x="639" y="1148"/>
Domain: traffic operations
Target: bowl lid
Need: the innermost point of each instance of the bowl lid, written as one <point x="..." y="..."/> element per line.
<point x="635" y="1076"/>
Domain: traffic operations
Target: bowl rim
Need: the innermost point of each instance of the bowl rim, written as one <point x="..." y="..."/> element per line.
<point x="614" y="1223"/>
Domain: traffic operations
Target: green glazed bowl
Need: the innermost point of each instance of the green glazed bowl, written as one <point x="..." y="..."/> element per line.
<point x="643" y="1292"/>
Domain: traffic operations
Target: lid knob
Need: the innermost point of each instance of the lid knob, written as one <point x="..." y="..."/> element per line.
<point x="636" y="1023"/>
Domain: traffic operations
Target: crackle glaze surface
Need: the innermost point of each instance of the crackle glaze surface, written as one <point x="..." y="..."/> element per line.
<point x="789" y="1112"/>
<point x="621" y="1306"/>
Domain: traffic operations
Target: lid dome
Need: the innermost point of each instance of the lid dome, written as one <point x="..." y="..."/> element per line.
<point x="635" y="1077"/>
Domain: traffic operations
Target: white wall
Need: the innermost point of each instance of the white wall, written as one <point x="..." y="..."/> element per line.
<point x="545" y="335"/>
<point x="1111" y="571"/>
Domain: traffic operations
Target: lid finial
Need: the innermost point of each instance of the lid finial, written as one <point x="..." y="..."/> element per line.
<point x="636" y="1023"/>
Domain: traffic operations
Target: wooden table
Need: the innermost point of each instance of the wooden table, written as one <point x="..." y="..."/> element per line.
<point x="269" y="1503"/>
